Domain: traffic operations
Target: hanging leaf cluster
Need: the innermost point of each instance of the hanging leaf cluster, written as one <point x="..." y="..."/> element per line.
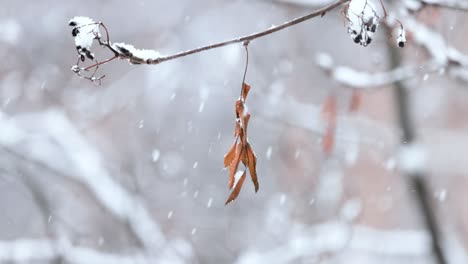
<point x="241" y="150"/>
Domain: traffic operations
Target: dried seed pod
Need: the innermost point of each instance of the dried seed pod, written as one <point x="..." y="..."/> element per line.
<point x="401" y="39"/>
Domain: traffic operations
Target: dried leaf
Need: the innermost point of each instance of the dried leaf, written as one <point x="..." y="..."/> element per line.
<point x="252" y="164"/>
<point x="239" y="108"/>
<point x="229" y="157"/>
<point x="245" y="123"/>
<point x="235" y="164"/>
<point x="237" y="130"/>
<point x="241" y="150"/>
<point x="237" y="189"/>
<point x="245" y="91"/>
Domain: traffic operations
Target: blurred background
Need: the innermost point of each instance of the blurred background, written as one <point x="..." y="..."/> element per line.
<point x="131" y="171"/>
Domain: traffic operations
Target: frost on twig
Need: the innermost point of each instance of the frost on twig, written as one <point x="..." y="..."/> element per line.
<point x="85" y="32"/>
<point x="363" y="17"/>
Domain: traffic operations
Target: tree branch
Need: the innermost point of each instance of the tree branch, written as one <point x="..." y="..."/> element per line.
<point x="248" y="38"/>
<point x="416" y="178"/>
<point x="450" y="4"/>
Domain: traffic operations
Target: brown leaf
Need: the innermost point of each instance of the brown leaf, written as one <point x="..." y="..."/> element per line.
<point x="235" y="164"/>
<point x="245" y="92"/>
<point x="237" y="189"/>
<point x="245" y="122"/>
<point x="252" y="164"/>
<point x="239" y="108"/>
<point x="229" y="157"/>
<point x="237" y="130"/>
<point x="241" y="150"/>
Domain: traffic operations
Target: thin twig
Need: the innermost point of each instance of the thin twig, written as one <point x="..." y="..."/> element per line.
<point x="123" y="53"/>
<point x="246" y="44"/>
<point x="320" y="12"/>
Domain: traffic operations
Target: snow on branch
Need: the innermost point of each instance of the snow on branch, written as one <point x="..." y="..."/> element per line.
<point x="336" y="237"/>
<point x="363" y="17"/>
<point x="363" y="80"/>
<point x="416" y="5"/>
<point x="442" y="58"/>
<point x="30" y="250"/>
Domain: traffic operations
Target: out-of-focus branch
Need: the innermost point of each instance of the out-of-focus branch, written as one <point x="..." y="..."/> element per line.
<point x="443" y="57"/>
<point x="366" y="80"/>
<point x="461" y="5"/>
<point x="308" y="117"/>
<point x="30" y="250"/>
<point x="415" y="177"/>
<point x="333" y="237"/>
<point x="61" y="139"/>
<point x="451" y="4"/>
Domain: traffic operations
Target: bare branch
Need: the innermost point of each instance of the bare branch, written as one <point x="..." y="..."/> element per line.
<point x="321" y="12"/>
<point x="451" y="4"/>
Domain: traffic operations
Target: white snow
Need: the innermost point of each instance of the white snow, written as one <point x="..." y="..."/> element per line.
<point x="441" y="195"/>
<point x="201" y="107"/>
<point x="401" y="35"/>
<point x="269" y="152"/>
<point x="88" y="30"/>
<point x="351" y="209"/>
<point x="282" y="199"/>
<point x="156" y="154"/>
<point x="412" y="158"/>
<point x="237" y="177"/>
<point x="10" y="31"/>
<point x="362" y="16"/>
<point x="360" y="79"/>
<point x="130" y="51"/>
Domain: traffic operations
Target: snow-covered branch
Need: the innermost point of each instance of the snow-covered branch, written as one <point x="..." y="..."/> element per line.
<point x="364" y="80"/>
<point x="52" y="137"/>
<point x="30" y="250"/>
<point x="443" y="57"/>
<point x="335" y="237"/>
<point x="86" y="30"/>
<point x="415" y="5"/>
